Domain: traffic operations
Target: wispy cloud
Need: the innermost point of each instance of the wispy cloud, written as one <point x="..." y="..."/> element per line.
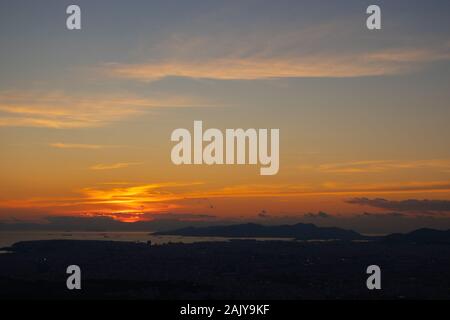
<point x="409" y="55"/>
<point x="411" y="205"/>
<point x="146" y="192"/>
<point x="61" y="111"/>
<point x="376" y="166"/>
<point x="328" y="189"/>
<point x="263" y="65"/>
<point x="124" y="198"/>
<point x="62" y="145"/>
<point x="111" y="166"/>
<point x="324" y="49"/>
<point x="254" y="69"/>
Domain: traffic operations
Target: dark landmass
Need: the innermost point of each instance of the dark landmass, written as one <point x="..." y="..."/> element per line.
<point x="225" y="270"/>
<point x="299" y="231"/>
<point x="414" y="265"/>
<point x="422" y="236"/>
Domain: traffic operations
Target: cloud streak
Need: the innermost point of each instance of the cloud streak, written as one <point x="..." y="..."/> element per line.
<point x="410" y="205"/>
<point x="112" y="166"/>
<point x="257" y="67"/>
<point x="59" y="110"/>
<point x="377" y="166"/>
<point x="61" y="145"/>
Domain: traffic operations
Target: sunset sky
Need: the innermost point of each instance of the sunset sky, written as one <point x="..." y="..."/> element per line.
<point x="86" y="116"/>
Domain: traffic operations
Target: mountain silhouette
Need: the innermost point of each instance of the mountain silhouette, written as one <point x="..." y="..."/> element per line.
<point x="299" y="231"/>
<point x="421" y="236"/>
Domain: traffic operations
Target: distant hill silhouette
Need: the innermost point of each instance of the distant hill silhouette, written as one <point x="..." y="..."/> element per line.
<point x="422" y="236"/>
<point x="300" y="231"/>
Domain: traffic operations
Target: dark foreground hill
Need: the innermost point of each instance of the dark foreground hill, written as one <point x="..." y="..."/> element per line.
<point x="300" y="231"/>
<point x="225" y="270"/>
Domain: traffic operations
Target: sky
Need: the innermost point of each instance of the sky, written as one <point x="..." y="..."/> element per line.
<point x="86" y="115"/>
